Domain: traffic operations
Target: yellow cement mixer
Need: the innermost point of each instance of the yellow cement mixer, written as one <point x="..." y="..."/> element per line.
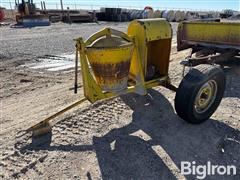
<point x="115" y="63"/>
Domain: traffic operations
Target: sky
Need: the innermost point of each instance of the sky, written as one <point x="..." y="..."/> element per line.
<point x="156" y="4"/>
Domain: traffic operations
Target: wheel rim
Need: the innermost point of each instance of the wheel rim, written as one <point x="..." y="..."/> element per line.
<point x="206" y="96"/>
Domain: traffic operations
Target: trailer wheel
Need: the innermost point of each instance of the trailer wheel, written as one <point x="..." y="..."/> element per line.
<point x="200" y="93"/>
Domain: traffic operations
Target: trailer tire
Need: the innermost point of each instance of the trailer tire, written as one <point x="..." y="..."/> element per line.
<point x="200" y="93"/>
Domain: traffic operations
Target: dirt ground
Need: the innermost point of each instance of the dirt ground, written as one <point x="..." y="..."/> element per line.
<point x="128" y="137"/>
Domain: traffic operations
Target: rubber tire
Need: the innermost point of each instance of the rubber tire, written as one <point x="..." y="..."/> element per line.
<point x="188" y="90"/>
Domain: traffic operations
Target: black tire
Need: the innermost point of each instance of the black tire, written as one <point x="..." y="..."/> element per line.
<point x="192" y="85"/>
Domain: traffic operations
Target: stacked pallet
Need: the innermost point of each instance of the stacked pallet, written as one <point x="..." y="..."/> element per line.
<point x="68" y="15"/>
<point x="9" y="14"/>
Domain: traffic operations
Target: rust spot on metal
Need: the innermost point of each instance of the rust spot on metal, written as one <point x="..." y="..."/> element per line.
<point x="116" y="70"/>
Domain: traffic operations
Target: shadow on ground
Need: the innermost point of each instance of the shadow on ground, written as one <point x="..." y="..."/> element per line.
<point x="232" y="71"/>
<point x="132" y="157"/>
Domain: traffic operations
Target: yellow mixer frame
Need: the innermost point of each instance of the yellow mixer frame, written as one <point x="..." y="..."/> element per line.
<point x="150" y="38"/>
<point x="151" y="42"/>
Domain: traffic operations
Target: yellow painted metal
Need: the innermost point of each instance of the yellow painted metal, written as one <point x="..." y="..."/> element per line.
<point x="92" y="91"/>
<point x="154" y="44"/>
<point x="206" y="96"/>
<point x="146" y="38"/>
<point x="106" y="31"/>
<point x="43" y="127"/>
<point x="225" y="34"/>
<point x="110" y="61"/>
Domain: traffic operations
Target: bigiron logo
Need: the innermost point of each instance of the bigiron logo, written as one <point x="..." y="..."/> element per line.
<point x="201" y="171"/>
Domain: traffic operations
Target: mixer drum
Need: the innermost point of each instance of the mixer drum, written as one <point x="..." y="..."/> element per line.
<point x="109" y="58"/>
